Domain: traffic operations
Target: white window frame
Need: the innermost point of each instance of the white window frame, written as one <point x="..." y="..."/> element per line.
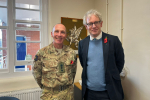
<point x="5" y="48"/>
<point x="11" y="38"/>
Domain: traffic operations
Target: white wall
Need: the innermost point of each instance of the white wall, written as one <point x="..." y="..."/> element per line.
<point x="17" y="83"/>
<point x="137" y="49"/>
<point x="71" y="9"/>
<point x="101" y="6"/>
<point x="114" y="17"/>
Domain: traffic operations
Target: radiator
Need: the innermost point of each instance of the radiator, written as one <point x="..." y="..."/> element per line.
<point x="29" y="94"/>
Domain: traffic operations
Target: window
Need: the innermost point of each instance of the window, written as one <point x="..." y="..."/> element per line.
<point x="23" y="31"/>
<point x="3" y="35"/>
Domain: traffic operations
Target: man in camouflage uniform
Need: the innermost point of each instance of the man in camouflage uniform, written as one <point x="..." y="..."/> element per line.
<point x="55" y="67"/>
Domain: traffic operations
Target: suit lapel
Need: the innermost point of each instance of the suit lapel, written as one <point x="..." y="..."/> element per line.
<point x="85" y="49"/>
<point x="105" y="48"/>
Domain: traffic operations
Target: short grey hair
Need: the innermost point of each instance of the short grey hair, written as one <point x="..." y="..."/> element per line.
<point x="89" y="13"/>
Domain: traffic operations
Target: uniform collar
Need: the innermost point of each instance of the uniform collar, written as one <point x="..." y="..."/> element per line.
<point x="55" y="51"/>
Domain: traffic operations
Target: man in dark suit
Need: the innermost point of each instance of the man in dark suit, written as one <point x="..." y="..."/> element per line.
<point x="102" y="59"/>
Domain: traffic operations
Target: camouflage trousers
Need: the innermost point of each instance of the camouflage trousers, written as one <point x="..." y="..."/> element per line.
<point x="56" y="94"/>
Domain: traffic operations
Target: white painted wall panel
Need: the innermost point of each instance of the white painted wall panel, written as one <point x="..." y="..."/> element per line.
<point x="114" y="17"/>
<point x="137" y="49"/>
<point x="101" y="5"/>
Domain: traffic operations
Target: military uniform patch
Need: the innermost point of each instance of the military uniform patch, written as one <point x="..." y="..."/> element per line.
<point x="36" y="58"/>
<point x="61" y="67"/>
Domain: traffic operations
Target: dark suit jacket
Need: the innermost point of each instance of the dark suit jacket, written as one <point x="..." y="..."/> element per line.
<point x="113" y="63"/>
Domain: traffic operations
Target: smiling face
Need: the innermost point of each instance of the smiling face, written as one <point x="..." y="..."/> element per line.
<point x="59" y="35"/>
<point x="94" y="29"/>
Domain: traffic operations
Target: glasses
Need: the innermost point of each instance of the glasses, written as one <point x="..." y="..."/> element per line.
<point x="95" y="23"/>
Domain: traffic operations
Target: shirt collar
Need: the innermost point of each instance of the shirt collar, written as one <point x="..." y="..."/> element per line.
<point x="97" y="38"/>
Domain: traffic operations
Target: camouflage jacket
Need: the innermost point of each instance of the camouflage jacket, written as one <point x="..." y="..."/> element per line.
<point x="52" y="68"/>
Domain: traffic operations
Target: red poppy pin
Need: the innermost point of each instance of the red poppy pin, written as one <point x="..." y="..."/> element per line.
<point x="72" y="62"/>
<point x="105" y="40"/>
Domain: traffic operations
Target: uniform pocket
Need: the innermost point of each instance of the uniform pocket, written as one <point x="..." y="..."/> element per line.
<point x="70" y="66"/>
<point x="49" y="63"/>
<point x="49" y="72"/>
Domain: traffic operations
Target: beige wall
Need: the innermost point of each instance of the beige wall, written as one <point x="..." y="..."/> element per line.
<point x="101" y="6"/>
<point x="137" y="49"/>
<point x="17" y="83"/>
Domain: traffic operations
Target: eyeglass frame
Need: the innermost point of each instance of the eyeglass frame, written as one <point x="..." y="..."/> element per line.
<point x="95" y="23"/>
